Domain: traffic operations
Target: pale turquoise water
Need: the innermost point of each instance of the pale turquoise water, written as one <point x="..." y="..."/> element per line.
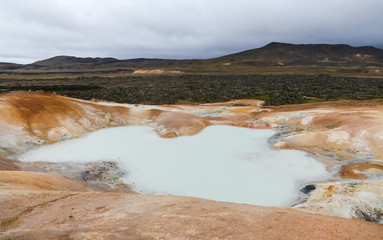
<point x="221" y="163"/>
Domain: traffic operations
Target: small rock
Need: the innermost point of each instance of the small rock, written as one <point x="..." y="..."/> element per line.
<point x="308" y="188"/>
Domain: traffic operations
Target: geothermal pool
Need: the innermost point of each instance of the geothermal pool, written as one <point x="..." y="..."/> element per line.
<point x="220" y="163"/>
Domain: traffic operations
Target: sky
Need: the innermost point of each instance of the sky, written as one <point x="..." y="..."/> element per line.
<point x="32" y="30"/>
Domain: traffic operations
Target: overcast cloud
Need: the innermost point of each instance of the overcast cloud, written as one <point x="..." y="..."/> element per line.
<point x="36" y="29"/>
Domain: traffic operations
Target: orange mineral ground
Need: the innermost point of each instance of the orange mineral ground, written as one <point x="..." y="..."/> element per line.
<point x="346" y="136"/>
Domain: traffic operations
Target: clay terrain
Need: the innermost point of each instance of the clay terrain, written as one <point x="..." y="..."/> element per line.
<point x="91" y="200"/>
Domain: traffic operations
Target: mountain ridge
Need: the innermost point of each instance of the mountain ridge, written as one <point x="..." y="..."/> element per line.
<point x="275" y="54"/>
<point x="64" y="58"/>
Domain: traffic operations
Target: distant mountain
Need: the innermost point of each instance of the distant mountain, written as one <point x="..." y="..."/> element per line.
<point x="290" y="54"/>
<point x="10" y="66"/>
<point x="272" y="55"/>
<point x="62" y="60"/>
<point x="68" y="62"/>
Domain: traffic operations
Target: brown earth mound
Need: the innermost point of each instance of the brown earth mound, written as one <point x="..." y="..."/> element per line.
<point x="10" y="180"/>
<point x="132" y="216"/>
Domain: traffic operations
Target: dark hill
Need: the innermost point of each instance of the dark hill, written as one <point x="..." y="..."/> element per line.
<point x="10" y="66"/>
<point x="69" y="62"/>
<point x="72" y="60"/>
<point x="302" y="54"/>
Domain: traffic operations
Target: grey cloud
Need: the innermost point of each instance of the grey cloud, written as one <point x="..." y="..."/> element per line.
<point x="36" y="29"/>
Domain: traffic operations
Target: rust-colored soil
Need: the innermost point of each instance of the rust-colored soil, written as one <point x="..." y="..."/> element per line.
<point x="7" y="164"/>
<point x="40" y="181"/>
<point x="354" y="170"/>
<point x="132" y="216"/>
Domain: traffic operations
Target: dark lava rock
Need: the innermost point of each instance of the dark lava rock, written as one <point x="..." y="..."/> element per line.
<point x="308" y="188"/>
